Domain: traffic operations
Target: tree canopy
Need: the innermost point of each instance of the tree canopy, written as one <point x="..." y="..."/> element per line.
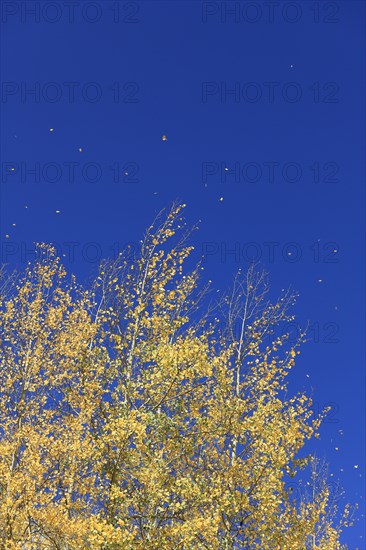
<point x="136" y="413"/>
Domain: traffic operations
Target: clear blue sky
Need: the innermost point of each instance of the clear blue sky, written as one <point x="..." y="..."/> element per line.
<point x="275" y="94"/>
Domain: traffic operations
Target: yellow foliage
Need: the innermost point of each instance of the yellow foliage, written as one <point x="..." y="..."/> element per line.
<point x="129" y="420"/>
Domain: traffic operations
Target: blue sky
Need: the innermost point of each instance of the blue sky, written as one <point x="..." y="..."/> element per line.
<point x="263" y="108"/>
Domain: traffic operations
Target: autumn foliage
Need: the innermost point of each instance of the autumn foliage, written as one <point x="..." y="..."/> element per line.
<point x="138" y="413"/>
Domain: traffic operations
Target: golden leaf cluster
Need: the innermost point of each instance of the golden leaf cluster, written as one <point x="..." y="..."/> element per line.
<point x="137" y="414"/>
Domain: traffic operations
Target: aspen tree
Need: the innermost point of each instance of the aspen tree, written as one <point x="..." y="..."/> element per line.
<point x="135" y="414"/>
